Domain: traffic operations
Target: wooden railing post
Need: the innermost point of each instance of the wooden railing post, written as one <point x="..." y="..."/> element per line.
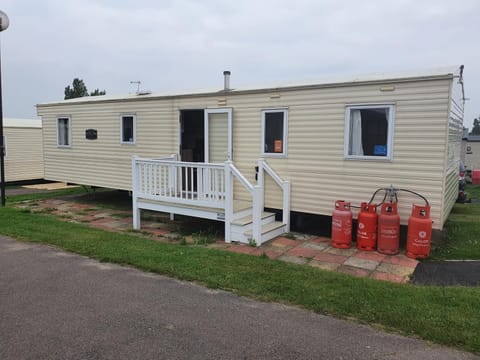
<point x="286" y="205"/>
<point x="261" y="180"/>
<point x="228" y="200"/>
<point x="257" y="210"/>
<point x="136" y="210"/>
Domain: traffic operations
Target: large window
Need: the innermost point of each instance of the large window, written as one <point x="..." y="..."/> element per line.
<point x="127" y="123"/>
<point x="274" y="132"/>
<point x="64" y="132"/>
<point x="369" y="132"/>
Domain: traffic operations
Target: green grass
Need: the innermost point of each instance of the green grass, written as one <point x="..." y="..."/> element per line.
<point x="45" y="195"/>
<point x="445" y="315"/>
<point x="462" y="231"/>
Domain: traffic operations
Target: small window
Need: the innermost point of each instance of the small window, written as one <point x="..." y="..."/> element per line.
<point x="128" y="129"/>
<point x="369" y="132"/>
<point x="64" y="132"/>
<point x="274" y="132"/>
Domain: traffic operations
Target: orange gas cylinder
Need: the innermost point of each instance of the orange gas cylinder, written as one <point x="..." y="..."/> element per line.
<point x="367" y="227"/>
<point x="419" y="232"/>
<point x="342" y="225"/>
<point x="388" y="229"/>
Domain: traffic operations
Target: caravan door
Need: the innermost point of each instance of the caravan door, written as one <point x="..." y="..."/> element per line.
<point x="218" y="135"/>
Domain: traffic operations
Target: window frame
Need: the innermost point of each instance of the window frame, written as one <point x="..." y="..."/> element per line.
<point x="283" y="154"/>
<point x="390" y="128"/>
<point x="134" y="117"/>
<point x="69" y="118"/>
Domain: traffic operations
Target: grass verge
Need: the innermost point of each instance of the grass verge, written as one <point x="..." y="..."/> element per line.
<point x="444" y="315"/>
<point x="462" y="231"/>
<point x="45" y="195"/>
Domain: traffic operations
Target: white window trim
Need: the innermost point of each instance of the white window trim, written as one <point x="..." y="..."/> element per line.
<point x="134" y="129"/>
<point x="69" y="118"/>
<point x="283" y="154"/>
<point x="391" y="127"/>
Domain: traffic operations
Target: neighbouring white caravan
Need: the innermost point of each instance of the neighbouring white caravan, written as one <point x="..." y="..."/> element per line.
<point x="23" y="149"/>
<point x="319" y="142"/>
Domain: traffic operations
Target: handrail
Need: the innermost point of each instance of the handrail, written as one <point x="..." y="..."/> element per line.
<point x="284" y="186"/>
<point x="272" y="174"/>
<point x="241" y="178"/>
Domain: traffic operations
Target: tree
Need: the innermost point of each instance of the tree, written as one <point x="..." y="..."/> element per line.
<point x="98" y="92"/>
<point x="476" y="127"/>
<point x="79" y="89"/>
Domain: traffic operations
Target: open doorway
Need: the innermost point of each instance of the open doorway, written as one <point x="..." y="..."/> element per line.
<point x="192" y="135"/>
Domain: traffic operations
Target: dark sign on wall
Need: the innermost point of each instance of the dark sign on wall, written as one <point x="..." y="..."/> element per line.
<point x="91" y="134"/>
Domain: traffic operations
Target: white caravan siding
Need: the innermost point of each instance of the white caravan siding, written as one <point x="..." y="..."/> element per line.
<point x="24" y="150"/>
<point x="105" y="162"/>
<point x="454" y="146"/>
<point x="314" y="163"/>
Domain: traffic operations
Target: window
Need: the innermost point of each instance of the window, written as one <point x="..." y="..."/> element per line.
<point x="369" y="132"/>
<point x="274" y="132"/>
<point x="64" y="132"/>
<point x="127" y="123"/>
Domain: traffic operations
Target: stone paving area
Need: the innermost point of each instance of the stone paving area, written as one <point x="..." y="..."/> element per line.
<point x="297" y="248"/>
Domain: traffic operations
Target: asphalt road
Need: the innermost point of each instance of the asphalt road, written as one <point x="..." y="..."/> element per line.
<point x="465" y="273"/>
<point x="56" y="305"/>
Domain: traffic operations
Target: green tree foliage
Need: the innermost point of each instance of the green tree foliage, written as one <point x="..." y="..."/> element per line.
<point x="79" y="89"/>
<point x="98" y="92"/>
<point x="476" y="127"/>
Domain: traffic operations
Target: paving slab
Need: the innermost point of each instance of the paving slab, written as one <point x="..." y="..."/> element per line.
<point x="324" y="265"/>
<point x="314" y="245"/>
<point x="293" y="259"/>
<point x="361" y="263"/>
<point x="399" y="270"/>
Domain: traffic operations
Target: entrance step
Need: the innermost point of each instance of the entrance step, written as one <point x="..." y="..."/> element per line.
<point x="269" y="231"/>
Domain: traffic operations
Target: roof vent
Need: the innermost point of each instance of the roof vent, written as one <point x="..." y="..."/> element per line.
<point x="226" y="80"/>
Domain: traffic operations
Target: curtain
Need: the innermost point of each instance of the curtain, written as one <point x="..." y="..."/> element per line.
<point x="356" y="146"/>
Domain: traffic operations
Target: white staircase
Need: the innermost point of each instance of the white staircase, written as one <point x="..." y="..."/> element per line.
<point x="206" y="190"/>
<point x="241" y="229"/>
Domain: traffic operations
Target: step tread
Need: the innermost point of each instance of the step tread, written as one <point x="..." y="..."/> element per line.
<point x="248" y="219"/>
<point x="267" y="228"/>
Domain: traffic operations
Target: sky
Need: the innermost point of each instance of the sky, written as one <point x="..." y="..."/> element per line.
<point x="176" y="45"/>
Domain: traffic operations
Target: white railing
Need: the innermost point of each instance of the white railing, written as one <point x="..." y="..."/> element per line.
<point x="169" y="180"/>
<point x="203" y="185"/>
<point x="284" y="186"/>
<point x="256" y="192"/>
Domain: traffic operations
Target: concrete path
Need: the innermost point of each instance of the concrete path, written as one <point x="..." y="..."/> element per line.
<point x="56" y="305"/>
<point x="304" y="249"/>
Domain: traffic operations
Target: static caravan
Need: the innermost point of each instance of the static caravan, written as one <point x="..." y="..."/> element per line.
<point x="472" y="152"/>
<point x="229" y="154"/>
<point x="23" y="149"/>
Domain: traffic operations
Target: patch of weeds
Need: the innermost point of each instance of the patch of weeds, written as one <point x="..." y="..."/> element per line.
<point x="25" y="211"/>
<point x="65" y="216"/>
<point x="147" y="217"/>
<point x="183" y="241"/>
<point x="122" y="216"/>
<point x="290" y="236"/>
<point x="252" y="242"/>
<point x="264" y="255"/>
<point x="204" y="237"/>
<point x="46" y="210"/>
